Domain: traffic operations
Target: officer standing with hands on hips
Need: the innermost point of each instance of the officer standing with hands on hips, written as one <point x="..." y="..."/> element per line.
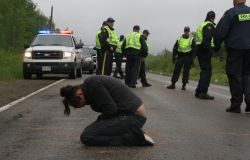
<point x="234" y="30"/>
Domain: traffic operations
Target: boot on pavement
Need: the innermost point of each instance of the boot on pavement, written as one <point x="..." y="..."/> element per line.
<point x="183" y="87"/>
<point x="233" y="109"/>
<point x="172" y="86"/>
<point x="204" y="96"/>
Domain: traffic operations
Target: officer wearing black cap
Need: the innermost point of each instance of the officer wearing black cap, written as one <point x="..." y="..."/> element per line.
<point x="119" y="58"/>
<point x="133" y="46"/>
<point x="183" y="55"/>
<point x="108" y="42"/>
<point x="205" y="46"/>
<point x="100" y="54"/>
<point x="142" y="72"/>
<point x="234" y="30"/>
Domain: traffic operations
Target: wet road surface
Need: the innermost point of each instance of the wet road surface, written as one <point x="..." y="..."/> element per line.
<point x="182" y="126"/>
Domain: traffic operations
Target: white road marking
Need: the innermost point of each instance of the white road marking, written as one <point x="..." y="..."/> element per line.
<point x="28" y="96"/>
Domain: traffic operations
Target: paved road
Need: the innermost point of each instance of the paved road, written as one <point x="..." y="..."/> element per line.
<point x="182" y="126"/>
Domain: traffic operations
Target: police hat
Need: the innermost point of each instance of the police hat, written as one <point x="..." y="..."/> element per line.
<point x="210" y="15"/>
<point x="146" y="32"/>
<point x="186" y="29"/>
<point x="110" y="20"/>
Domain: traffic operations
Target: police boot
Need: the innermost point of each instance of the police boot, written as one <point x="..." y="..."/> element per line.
<point x="183" y="87"/>
<point x="247" y="109"/>
<point x="172" y="86"/>
<point x="204" y="96"/>
<point x="233" y="109"/>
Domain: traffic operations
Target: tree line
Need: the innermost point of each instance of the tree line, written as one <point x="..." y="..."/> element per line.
<point x="19" y="23"/>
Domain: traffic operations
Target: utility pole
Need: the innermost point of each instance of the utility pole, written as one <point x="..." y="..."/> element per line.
<point x="51" y="19"/>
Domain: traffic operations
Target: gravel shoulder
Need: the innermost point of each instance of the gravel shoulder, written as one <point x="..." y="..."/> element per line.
<point x="15" y="89"/>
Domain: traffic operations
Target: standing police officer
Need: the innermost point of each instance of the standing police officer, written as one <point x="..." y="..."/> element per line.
<point x="183" y="55"/>
<point x="119" y="58"/>
<point x="100" y="55"/>
<point x="132" y="46"/>
<point x="108" y="43"/>
<point x="205" y="44"/>
<point x="234" y="30"/>
<point x="142" y="72"/>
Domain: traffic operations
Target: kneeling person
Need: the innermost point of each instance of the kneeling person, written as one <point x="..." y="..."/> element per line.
<point x="122" y="112"/>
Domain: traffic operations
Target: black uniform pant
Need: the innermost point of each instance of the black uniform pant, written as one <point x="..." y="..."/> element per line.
<point x="204" y="57"/>
<point x="118" y="61"/>
<point x="132" y="69"/>
<point x="108" y="62"/>
<point x="238" y="73"/>
<point x="142" y="73"/>
<point x="123" y="130"/>
<point x="100" y="57"/>
<point x="185" y="62"/>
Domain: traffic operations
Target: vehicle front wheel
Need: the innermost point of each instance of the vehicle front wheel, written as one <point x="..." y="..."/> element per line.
<point x="72" y="75"/>
<point x="27" y="75"/>
<point x="79" y="72"/>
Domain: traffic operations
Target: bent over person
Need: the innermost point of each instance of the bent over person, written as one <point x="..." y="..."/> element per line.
<point x="121" y="120"/>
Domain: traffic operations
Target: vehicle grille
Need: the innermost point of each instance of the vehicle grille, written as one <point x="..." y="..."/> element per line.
<point x="47" y="55"/>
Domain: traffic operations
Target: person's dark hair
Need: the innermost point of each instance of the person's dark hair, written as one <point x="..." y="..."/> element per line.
<point x="136" y="28"/>
<point x="121" y="37"/>
<point x="210" y="15"/>
<point x="70" y="98"/>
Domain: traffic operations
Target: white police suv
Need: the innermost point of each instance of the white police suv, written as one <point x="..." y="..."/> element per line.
<point x="53" y="53"/>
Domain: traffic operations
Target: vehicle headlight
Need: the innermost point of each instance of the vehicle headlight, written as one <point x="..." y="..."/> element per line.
<point x="27" y="55"/>
<point x="88" y="59"/>
<point x="67" y="54"/>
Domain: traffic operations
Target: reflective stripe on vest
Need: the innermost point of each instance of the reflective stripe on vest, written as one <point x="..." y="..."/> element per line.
<point x="97" y="40"/>
<point x="133" y="40"/>
<point x="119" y="47"/>
<point x="185" y="45"/>
<point x="199" y="33"/>
<point x="112" y="39"/>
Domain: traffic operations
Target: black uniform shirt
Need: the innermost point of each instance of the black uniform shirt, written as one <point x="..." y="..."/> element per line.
<point x="109" y="96"/>
<point x="236" y="34"/>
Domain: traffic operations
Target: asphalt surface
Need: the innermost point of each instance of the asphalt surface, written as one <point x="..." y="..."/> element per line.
<point x="182" y="126"/>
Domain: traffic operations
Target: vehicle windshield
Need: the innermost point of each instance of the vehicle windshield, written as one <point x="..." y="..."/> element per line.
<point x="52" y="40"/>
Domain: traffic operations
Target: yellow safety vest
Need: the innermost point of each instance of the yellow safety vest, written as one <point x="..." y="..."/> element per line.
<point x="119" y="47"/>
<point x="199" y="33"/>
<point x="97" y="40"/>
<point x="185" y="45"/>
<point x="133" y="40"/>
<point x="112" y="39"/>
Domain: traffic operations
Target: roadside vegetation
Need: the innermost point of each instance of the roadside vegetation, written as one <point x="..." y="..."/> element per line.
<point x="19" y="23"/>
<point x="162" y="64"/>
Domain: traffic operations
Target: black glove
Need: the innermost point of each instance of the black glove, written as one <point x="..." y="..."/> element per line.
<point x="174" y="59"/>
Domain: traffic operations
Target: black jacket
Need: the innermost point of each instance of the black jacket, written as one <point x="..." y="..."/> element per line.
<point x="109" y="96"/>
<point x="236" y="34"/>
<point x="144" y="52"/>
<point x="176" y="46"/>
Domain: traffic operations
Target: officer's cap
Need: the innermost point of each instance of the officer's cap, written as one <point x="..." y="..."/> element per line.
<point x="146" y="32"/>
<point x="210" y="15"/>
<point x="239" y="1"/>
<point x="186" y="29"/>
<point x="110" y="20"/>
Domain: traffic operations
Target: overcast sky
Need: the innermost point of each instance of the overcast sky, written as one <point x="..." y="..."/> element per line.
<point x="165" y="19"/>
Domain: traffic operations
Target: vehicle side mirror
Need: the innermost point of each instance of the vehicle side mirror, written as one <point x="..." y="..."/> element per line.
<point x="26" y="46"/>
<point x="78" y="46"/>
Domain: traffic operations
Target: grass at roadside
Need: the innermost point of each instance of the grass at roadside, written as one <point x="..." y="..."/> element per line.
<point x="162" y="64"/>
<point x="10" y="65"/>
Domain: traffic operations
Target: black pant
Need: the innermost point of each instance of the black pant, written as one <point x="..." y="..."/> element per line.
<point x="204" y="58"/>
<point x="142" y="73"/>
<point x="123" y="130"/>
<point x="100" y="57"/>
<point x="107" y="56"/>
<point x="132" y="69"/>
<point x="185" y="62"/>
<point x="238" y="73"/>
<point x="118" y="61"/>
